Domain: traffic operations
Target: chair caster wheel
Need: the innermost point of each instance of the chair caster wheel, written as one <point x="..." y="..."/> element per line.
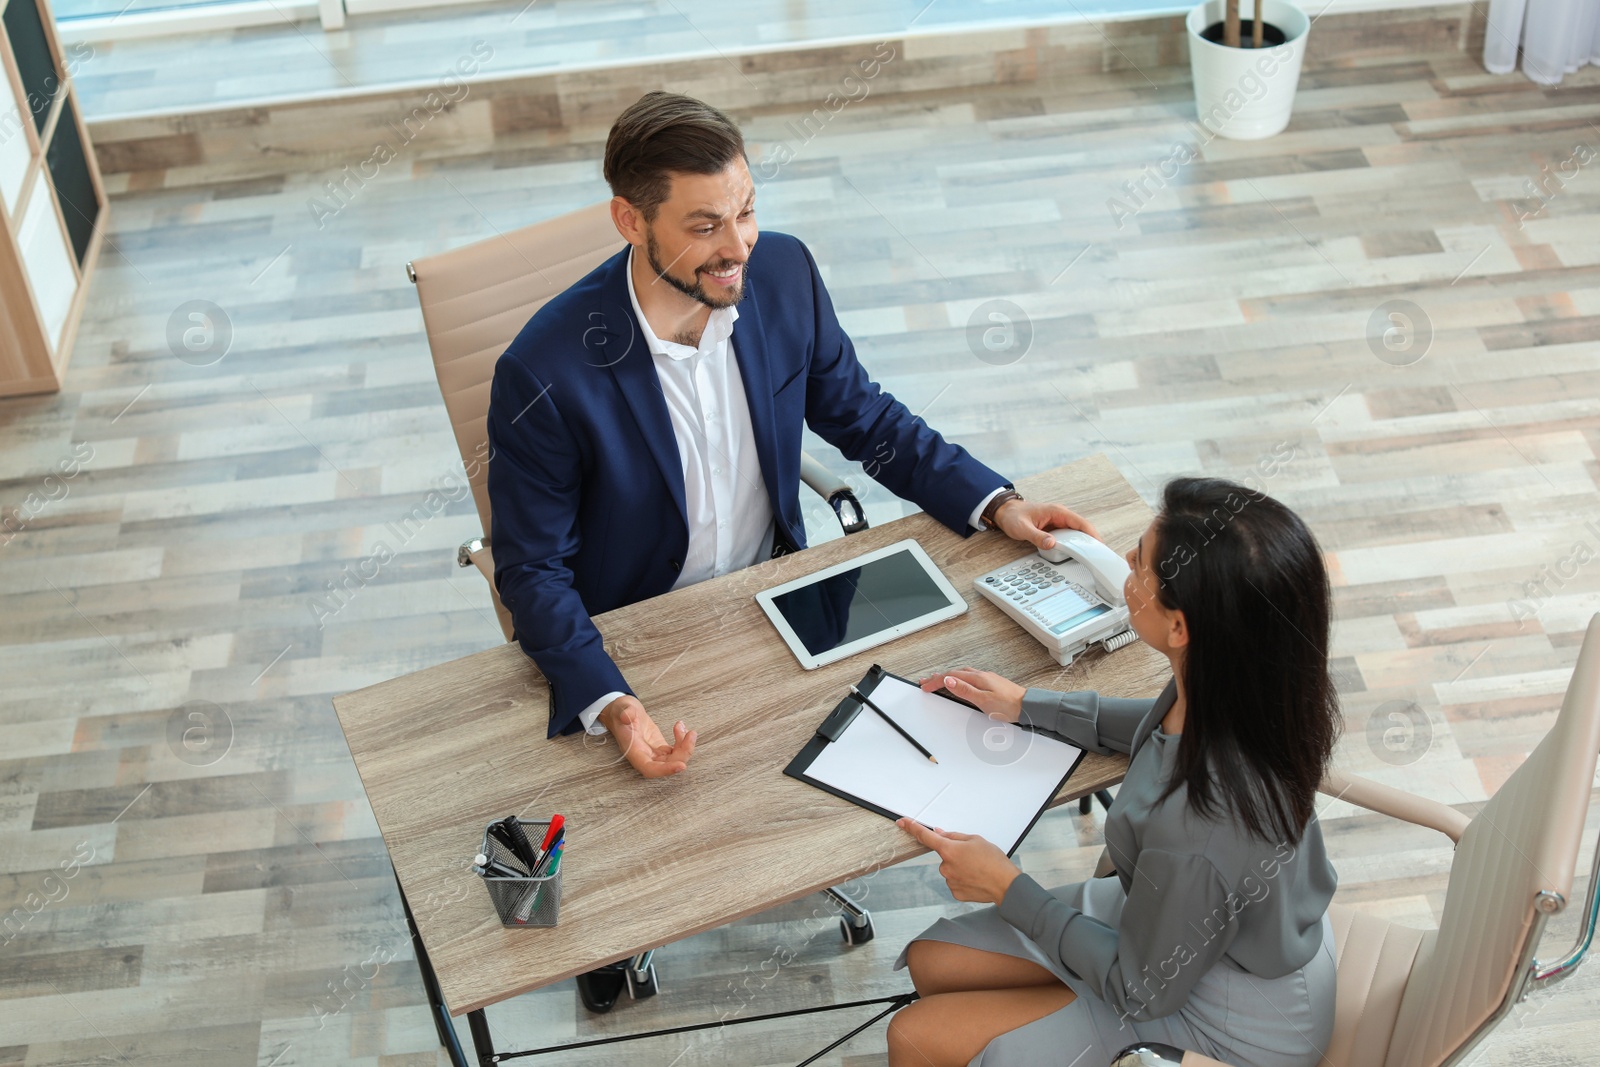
<point x="856" y="935"/>
<point x="638" y="990"/>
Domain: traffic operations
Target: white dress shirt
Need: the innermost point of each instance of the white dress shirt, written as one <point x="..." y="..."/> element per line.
<point x="729" y="512"/>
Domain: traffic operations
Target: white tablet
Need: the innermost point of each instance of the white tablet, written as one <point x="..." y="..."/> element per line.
<point x="860" y="604"/>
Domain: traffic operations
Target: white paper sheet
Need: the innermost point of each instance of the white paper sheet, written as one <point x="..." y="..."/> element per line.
<point x="991" y="779"/>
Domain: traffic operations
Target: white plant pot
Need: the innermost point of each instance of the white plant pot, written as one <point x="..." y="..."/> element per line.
<point x="1245" y="93"/>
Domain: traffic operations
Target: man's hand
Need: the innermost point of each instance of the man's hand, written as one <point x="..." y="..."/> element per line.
<point x="973" y="868"/>
<point x="1026" y="520"/>
<point x="997" y="697"/>
<point x="641" y="742"/>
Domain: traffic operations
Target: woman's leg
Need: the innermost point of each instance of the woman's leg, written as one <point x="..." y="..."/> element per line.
<point x="940" y="967"/>
<point x="948" y="1029"/>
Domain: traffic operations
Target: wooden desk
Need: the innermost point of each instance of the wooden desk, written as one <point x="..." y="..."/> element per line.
<point x="444" y="751"/>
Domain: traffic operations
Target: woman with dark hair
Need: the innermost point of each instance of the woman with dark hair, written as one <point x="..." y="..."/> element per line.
<point x="1212" y="934"/>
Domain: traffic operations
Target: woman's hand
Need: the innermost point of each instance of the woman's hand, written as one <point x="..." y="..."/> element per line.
<point x="973" y="868"/>
<point x="997" y="697"/>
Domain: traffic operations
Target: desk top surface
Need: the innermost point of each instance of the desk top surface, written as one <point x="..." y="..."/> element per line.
<point x="446" y="750"/>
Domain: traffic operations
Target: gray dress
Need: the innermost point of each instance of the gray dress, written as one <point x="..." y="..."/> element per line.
<point x="1206" y="938"/>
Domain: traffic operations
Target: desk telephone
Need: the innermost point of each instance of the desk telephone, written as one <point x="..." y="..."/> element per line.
<point x="1069" y="596"/>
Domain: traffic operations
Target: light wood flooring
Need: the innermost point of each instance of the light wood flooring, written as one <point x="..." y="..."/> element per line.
<point x="229" y="901"/>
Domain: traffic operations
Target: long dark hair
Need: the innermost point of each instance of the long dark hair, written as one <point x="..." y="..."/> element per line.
<point x="1262" y="715"/>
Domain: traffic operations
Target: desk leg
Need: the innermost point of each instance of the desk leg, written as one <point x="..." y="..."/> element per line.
<point x="1102" y="795"/>
<point x="430" y="982"/>
<point x="479" y="1023"/>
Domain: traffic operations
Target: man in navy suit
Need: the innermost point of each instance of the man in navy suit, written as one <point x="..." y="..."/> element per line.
<point x="645" y="424"/>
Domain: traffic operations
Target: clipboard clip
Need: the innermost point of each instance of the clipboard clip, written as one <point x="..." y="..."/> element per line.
<point x="840" y="718"/>
<point x="845" y="712"/>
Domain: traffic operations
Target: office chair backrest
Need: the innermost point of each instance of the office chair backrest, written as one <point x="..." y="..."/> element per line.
<point x="475" y="299"/>
<point x="1523" y="843"/>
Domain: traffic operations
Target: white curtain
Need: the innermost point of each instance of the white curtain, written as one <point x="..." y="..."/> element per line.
<point x="1556" y="37"/>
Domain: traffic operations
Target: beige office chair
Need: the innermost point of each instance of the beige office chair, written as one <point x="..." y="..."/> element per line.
<point x="1425" y="998"/>
<point x="474" y="301"/>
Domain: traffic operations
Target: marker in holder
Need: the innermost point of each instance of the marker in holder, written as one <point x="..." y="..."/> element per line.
<point x="520" y="898"/>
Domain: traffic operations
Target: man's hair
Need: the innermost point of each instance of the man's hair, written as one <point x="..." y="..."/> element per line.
<point x="663" y="134"/>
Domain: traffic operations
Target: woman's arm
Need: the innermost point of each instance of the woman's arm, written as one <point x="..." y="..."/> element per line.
<point x="1179" y="919"/>
<point x="1085" y="718"/>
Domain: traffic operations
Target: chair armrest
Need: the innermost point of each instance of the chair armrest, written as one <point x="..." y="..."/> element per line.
<point x="1396" y="803"/>
<point x="821" y="480"/>
<point x="835" y="491"/>
<point x="481" y="557"/>
<point x="477" y="553"/>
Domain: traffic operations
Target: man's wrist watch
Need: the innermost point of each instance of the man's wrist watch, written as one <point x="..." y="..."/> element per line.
<point x="1004" y="496"/>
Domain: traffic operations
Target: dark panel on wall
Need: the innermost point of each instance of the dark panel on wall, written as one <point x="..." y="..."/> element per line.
<point x="40" y="79"/>
<point x="69" y="173"/>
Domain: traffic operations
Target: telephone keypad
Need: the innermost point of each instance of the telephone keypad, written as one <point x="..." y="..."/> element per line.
<point x="1024" y="582"/>
<point x="1062" y="613"/>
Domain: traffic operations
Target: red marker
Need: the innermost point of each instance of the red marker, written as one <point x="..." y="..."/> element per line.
<point x="550" y="835"/>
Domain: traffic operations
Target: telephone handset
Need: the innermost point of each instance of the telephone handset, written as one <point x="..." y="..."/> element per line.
<point x="1069" y="596"/>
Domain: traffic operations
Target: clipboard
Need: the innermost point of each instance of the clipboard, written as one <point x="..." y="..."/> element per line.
<point x="999" y="777"/>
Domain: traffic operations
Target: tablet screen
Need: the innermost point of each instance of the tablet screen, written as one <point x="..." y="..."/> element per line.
<point x="857" y="603"/>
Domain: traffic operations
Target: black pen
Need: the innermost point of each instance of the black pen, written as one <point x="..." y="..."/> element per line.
<point x="512" y="835"/>
<point x="897" y="727"/>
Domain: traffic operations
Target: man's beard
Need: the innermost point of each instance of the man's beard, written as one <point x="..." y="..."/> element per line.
<point x="696" y="291"/>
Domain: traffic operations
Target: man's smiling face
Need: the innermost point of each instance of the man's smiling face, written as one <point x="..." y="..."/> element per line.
<point x="702" y="234"/>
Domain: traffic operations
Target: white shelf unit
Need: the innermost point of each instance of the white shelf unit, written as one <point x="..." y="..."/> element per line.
<point x="52" y="203"/>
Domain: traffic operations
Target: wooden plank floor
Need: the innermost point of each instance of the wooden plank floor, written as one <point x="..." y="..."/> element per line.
<point x="188" y="867"/>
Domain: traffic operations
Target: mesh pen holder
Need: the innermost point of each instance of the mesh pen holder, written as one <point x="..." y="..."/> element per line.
<point x="522" y="901"/>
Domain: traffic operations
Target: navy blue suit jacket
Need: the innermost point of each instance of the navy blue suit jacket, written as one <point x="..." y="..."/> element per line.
<point x="585" y="481"/>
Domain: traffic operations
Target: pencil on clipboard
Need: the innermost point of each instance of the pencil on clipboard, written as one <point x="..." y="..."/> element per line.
<point x="897" y="727"/>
